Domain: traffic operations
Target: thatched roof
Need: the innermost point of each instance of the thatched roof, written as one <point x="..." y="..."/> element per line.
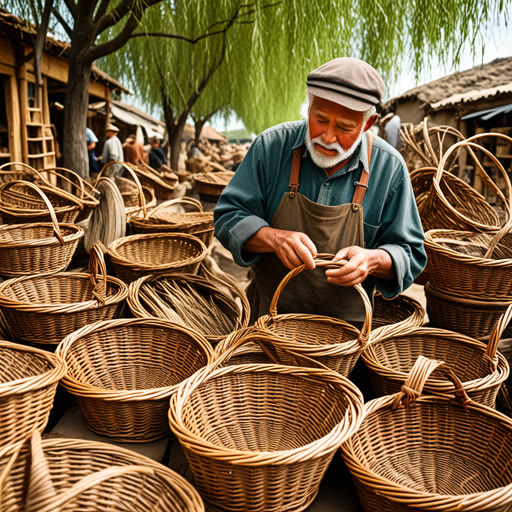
<point x="16" y="29"/>
<point x="487" y="76"/>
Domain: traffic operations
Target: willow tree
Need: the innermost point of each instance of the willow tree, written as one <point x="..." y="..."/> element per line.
<point x="94" y="29"/>
<point x="267" y="54"/>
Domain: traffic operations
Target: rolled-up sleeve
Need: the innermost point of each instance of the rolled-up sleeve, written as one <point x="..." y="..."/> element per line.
<point x="240" y="211"/>
<point x="401" y="236"/>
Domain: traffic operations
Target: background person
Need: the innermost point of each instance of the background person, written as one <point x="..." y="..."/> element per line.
<point x="112" y="151"/>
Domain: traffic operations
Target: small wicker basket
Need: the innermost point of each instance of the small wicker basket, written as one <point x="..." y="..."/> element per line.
<point x="64" y="475"/>
<point x="37" y="247"/>
<point x="28" y="382"/>
<point x="480" y="367"/>
<point x="259" y="437"/>
<point x="436" y="453"/>
<point x="44" y="308"/>
<point x="210" y="185"/>
<point x="124" y="371"/>
<point x="156" y="253"/>
<point x="334" y="343"/>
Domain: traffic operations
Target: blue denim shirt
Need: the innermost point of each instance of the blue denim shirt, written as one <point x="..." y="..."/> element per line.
<point x="391" y="219"/>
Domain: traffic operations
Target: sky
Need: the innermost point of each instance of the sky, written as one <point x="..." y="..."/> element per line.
<point x="498" y="44"/>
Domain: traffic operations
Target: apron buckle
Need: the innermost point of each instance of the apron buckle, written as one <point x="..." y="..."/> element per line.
<point x="355" y="207"/>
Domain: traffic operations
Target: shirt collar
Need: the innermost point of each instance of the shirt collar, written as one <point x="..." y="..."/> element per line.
<point x="360" y="155"/>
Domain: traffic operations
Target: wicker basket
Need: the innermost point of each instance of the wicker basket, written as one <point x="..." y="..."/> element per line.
<point x="451" y="205"/>
<point x="260" y="437"/>
<point x="431" y="453"/>
<point x="37" y="247"/>
<point x="156" y="253"/>
<point x="237" y="317"/>
<point x="21" y="203"/>
<point x="332" y="342"/>
<point x="473" y="317"/>
<point x="28" y="381"/>
<point x="480" y="367"/>
<point x="66" y="475"/>
<point x="123" y="372"/>
<point x="394" y="315"/>
<point x="469" y="263"/>
<point x="210" y="185"/>
<point x="44" y="308"/>
<point x="164" y="184"/>
<point x="250" y="352"/>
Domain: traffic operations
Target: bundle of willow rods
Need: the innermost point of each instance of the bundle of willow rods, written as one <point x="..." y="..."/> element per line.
<point x="182" y="303"/>
<point x="108" y="220"/>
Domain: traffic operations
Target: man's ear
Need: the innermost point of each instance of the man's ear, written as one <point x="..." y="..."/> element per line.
<point x="371" y="121"/>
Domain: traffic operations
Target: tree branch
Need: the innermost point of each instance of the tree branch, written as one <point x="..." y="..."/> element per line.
<point x="124" y="8"/>
<point x="100" y="11"/>
<point x="42" y="30"/>
<point x="71" y="7"/>
<point x="63" y="22"/>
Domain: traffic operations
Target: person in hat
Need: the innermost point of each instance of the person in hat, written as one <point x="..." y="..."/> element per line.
<point x="324" y="185"/>
<point x="112" y="151"/>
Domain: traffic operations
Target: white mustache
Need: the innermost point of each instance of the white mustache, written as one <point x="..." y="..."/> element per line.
<point x="336" y="146"/>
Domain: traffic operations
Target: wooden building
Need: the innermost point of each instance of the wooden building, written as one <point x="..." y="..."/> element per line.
<point x="31" y="117"/>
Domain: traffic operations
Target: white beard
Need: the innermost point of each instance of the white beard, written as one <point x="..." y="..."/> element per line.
<point x="324" y="161"/>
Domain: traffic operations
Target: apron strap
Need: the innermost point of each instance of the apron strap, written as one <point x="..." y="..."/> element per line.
<point x="295" y="172"/>
<point x="362" y="184"/>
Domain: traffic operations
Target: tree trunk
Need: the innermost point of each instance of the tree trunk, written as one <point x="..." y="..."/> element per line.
<point x="198" y="124"/>
<point x="74" y="147"/>
<point x="175" y="128"/>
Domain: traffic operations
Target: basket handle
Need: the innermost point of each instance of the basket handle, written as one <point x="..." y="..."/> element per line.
<point x="22" y="164"/>
<point x="133" y="174"/>
<point x="322" y="260"/>
<point x="418" y="376"/>
<point x="98" y="272"/>
<point x="187" y="200"/>
<point x="507" y="199"/>
<point x="496" y="239"/>
<point x="494" y="338"/>
<point x="53" y="217"/>
<point x="77" y="180"/>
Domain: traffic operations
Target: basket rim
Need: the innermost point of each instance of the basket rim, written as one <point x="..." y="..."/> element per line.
<point x="86" y="390"/>
<point x="435" y="245"/>
<point x="434" y="384"/>
<point x="61" y="307"/>
<point x="466" y="300"/>
<point x="35" y="382"/>
<point x="315" y="449"/>
<point x="121" y="260"/>
<point x="76" y="233"/>
<point x="418" y="499"/>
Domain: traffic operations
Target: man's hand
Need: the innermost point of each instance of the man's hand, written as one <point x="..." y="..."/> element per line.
<point x="361" y="263"/>
<point x="293" y="248"/>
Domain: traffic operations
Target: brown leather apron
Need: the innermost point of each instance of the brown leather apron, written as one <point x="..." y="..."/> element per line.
<point x="331" y="228"/>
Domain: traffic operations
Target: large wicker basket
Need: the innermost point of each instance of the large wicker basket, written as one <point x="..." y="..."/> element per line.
<point x="123" y="372"/>
<point x="37" y="247"/>
<point x="156" y="253"/>
<point x="65" y="475"/>
<point x="204" y="321"/>
<point x="28" y="381"/>
<point x="259" y="437"/>
<point x="164" y="184"/>
<point x="471" y="316"/>
<point x="44" y="308"/>
<point x="480" y="367"/>
<point x="332" y="342"/>
<point x="210" y="185"/>
<point x="424" y="453"/>
<point x="469" y="263"/>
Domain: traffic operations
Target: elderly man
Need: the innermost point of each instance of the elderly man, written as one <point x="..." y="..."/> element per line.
<point x="112" y="151"/>
<point x="324" y="185"/>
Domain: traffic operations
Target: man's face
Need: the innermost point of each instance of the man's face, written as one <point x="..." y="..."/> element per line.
<point x="109" y="134"/>
<point x="334" y="132"/>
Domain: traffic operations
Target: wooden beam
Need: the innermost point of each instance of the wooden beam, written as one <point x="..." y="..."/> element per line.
<point x="7" y="52"/>
<point x="13" y="119"/>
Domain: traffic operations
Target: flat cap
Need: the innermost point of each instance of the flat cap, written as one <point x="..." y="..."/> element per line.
<point x="350" y="82"/>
